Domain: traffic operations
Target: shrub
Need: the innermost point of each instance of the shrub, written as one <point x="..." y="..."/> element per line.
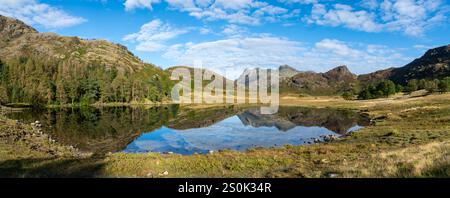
<point x="348" y="95"/>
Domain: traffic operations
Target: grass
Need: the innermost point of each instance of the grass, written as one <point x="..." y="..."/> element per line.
<point x="410" y="138"/>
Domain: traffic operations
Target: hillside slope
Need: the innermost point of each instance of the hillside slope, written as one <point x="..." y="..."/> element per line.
<point x="335" y="81"/>
<point x="48" y="68"/>
<point x="434" y="64"/>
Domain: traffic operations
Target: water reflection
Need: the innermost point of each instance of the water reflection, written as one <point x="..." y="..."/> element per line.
<point x="230" y="133"/>
<point x="186" y="131"/>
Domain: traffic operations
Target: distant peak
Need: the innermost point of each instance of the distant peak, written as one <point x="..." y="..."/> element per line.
<point x="341" y="69"/>
<point x="287" y="67"/>
<point x="340" y="73"/>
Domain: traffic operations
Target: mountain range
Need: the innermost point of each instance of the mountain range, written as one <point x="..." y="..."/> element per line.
<point x="48" y="68"/>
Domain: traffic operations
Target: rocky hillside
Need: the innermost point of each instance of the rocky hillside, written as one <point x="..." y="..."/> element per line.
<point x="20" y="40"/>
<point x="48" y="68"/>
<point x="335" y="81"/>
<point x="287" y="72"/>
<point x="434" y="64"/>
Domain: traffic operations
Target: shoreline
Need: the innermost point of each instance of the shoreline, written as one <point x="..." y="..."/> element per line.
<point x="406" y="139"/>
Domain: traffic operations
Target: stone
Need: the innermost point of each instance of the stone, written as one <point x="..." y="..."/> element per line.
<point x="164" y="173"/>
<point x="333" y="175"/>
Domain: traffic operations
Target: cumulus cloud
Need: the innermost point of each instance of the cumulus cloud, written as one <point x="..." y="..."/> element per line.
<point x="343" y="15"/>
<point x="236" y="54"/>
<point x="361" y="58"/>
<point x="250" y="12"/>
<point x="299" y="1"/>
<point x="34" y="12"/>
<point x="134" y="4"/>
<point x="234" y="30"/>
<point x="153" y="35"/>
<point x="412" y="17"/>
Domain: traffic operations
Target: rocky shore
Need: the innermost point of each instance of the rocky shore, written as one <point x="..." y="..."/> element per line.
<point x="32" y="136"/>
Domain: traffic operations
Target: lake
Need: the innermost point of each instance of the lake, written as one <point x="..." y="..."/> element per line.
<point x="175" y="129"/>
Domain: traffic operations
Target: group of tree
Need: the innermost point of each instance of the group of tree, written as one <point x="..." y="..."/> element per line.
<point x="386" y="88"/>
<point x="431" y="86"/>
<point x="42" y="81"/>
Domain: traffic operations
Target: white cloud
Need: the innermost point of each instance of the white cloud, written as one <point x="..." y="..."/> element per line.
<point x="343" y="15"/>
<point x="235" y="4"/>
<point x="205" y="30"/>
<point x="203" y="3"/>
<point x="234" y="30"/>
<point x="412" y="17"/>
<point x="423" y="47"/>
<point x="360" y="58"/>
<point x="153" y="35"/>
<point x="236" y="54"/>
<point x="33" y="12"/>
<point x="299" y="1"/>
<point x="250" y="12"/>
<point x="134" y="4"/>
<point x="336" y="47"/>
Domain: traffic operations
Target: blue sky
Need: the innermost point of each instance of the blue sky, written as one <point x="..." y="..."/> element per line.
<point x="233" y="35"/>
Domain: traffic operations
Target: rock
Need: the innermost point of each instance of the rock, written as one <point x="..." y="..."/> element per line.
<point x="164" y="173"/>
<point x="37" y="122"/>
<point x="211" y="152"/>
<point x="170" y="152"/>
<point x="333" y="175"/>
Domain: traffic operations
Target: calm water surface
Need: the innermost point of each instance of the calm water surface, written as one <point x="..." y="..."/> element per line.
<point x="186" y="131"/>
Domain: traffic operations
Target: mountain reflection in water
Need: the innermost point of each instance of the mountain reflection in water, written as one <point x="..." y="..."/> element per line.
<point x="187" y="131"/>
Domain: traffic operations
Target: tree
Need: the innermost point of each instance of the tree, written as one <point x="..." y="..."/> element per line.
<point x="412" y="86"/>
<point x="399" y="88"/>
<point x="422" y="84"/>
<point x="347" y="95"/>
<point x="385" y="88"/>
<point x="2" y="71"/>
<point x="365" y="95"/>
<point x="3" y="95"/>
<point x="444" y="85"/>
<point x="431" y="86"/>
